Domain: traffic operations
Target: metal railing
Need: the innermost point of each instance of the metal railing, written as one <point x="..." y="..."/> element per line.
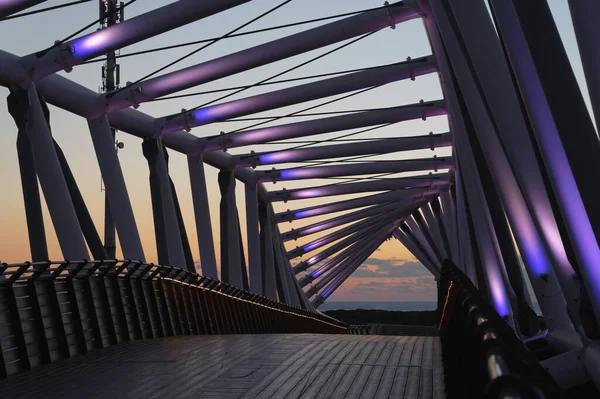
<point x="52" y="310"/>
<point x="482" y="355"/>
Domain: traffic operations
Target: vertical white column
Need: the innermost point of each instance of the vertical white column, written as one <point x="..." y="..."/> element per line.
<point x="254" y="257"/>
<point x="116" y="190"/>
<point x="204" y="232"/>
<point x="174" y="245"/>
<point x="52" y="180"/>
<point x="283" y="280"/>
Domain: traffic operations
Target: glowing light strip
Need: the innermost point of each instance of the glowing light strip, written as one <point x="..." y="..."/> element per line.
<point x="445" y="304"/>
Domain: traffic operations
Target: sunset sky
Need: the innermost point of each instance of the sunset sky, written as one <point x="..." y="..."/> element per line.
<point x="390" y="274"/>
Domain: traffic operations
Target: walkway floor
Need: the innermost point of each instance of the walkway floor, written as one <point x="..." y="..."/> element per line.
<point x="244" y="366"/>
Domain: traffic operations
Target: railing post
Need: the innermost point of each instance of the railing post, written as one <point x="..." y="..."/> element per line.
<point x="15" y="320"/>
<point x="88" y="298"/>
<point x="148" y="284"/>
<point x="78" y="326"/>
<point x="112" y="276"/>
<point x="138" y="331"/>
<point x="38" y="319"/>
<point x="142" y="303"/>
<point x="55" y="315"/>
<point x="163" y="313"/>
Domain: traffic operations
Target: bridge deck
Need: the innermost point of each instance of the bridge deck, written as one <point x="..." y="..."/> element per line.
<point x="245" y="366"/>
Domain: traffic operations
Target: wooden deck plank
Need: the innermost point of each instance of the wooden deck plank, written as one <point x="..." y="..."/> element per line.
<point x="329" y="369"/>
<point x="306" y="366"/>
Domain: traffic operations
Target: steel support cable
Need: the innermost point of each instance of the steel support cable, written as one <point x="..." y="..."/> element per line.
<point x="41" y="10"/>
<point x="191" y="53"/>
<point x="309" y="143"/>
<point x="337" y="141"/>
<point x="275" y="82"/>
<point x="279" y="74"/>
<point x="295" y="115"/>
<point x="262" y="30"/>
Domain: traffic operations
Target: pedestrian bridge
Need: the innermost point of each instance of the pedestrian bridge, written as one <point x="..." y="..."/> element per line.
<point x="246" y="366"/>
<point x="489" y="178"/>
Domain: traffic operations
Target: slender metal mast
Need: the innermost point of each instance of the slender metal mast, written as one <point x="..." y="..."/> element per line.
<point x="111" y="13"/>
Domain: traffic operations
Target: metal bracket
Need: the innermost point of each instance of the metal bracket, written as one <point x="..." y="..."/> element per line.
<point x="389" y="14"/>
<point x="186" y="120"/>
<point x="411" y="72"/>
<point x="61" y="57"/>
<point x="423" y="115"/>
<point x="133" y="91"/>
<point x="223" y="141"/>
<point x="432" y="144"/>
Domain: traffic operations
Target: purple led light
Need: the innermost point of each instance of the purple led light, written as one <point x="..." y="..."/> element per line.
<point x="93" y="44"/>
<point x="317" y="273"/>
<point x="327" y="292"/>
<point x="276" y="157"/>
<point x="301" y="214"/>
<point x="309" y="247"/>
<point x="499" y="295"/>
<point x="311" y="261"/>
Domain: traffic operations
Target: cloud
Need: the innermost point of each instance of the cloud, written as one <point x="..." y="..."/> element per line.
<point x="373" y="267"/>
<point x="417" y="285"/>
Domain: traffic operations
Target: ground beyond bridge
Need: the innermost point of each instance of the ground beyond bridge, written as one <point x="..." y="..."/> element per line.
<point x="245" y="366"/>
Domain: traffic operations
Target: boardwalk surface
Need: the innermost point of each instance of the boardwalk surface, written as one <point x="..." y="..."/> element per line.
<point x="245" y="366"/>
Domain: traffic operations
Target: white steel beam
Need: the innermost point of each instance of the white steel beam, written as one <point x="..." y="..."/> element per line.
<point x="296" y="94"/>
<point x="338" y="246"/>
<point x="263" y="54"/>
<point x="424" y="181"/>
<point x="385" y="146"/>
<point x="409" y="194"/>
<point x="51" y="177"/>
<point x="318" y="126"/>
<point x="341" y="233"/>
<point x="9" y="7"/>
<point x="538" y="231"/>
<point x="70" y="96"/>
<point x="208" y="260"/>
<point x="254" y="256"/>
<point x="356" y="169"/>
<point x="294" y="234"/>
<point x="116" y="189"/>
<point x="66" y="55"/>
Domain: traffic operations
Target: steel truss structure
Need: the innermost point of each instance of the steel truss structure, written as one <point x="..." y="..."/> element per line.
<point x="515" y="201"/>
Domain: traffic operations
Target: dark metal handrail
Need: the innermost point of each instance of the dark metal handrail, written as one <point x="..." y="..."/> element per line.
<point x="57" y="309"/>
<point x="482" y="355"/>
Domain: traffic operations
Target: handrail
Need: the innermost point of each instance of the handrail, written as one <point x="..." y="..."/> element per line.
<point x="57" y="309"/>
<point x="482" y="355"/>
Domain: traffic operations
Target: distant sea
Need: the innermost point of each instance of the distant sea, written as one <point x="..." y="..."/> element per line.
<point x="397" y="306"/>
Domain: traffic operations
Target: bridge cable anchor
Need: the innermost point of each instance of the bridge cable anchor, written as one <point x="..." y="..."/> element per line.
<point x="186" y="120"/>
<point x="423" y="114"/>
<point x="432" y="143"/>
<point x="389" y="14"/>
<point x="411" y="71"/>
<point x="223" y="141"/>
<point x="66" y="50"/>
